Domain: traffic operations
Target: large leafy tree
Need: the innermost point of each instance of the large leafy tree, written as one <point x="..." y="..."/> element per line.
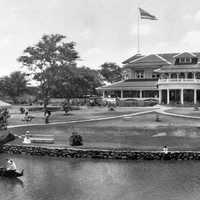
<point x="111" y="72"/>
<point x="14" y="85"/>
<point x="46" y="57"/>
<point x="86" y="81"/>
<point x="72" y="81"/>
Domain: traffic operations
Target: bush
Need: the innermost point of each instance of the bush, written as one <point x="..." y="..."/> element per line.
<point x="196" y="107"/>
<point x="41" y="108"/>
<point x="137" y="102"/>
<point x="22" y="110"/>
<point x="111" y="108"/>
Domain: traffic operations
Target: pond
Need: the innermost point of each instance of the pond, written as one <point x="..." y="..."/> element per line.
<point x="76" y="179"/>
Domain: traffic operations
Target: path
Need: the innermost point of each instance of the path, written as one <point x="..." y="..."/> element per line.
<point x="87" y="120"/>
<point x="163" y="110"/>
<point x="158" y="109"/>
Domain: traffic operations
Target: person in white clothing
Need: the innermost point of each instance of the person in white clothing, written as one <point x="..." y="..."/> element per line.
<point x="27" y="139"/>
<point x="165" y="149"/>
<point x="11" y="166"/>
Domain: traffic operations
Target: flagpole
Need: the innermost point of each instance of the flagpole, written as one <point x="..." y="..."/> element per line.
<point x="138" y="32"/>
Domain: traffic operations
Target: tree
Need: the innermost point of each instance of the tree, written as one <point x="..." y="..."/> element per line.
<point x="71" y="81"/>
<point x="111" y="72"/>
<point x="49" y="53"/>
<point x="87" y="80"/>
<point x="14" y="85"/>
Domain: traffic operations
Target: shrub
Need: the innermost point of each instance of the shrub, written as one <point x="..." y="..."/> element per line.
<point x="41" y="108"/>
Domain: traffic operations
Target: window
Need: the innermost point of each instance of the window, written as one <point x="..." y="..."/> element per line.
<point x="139" y="74"/>
<point x="155" y="75"/>
<point x="125" y="75"/>
<point x="185" y="60"/>
<point x="188" y="60"/>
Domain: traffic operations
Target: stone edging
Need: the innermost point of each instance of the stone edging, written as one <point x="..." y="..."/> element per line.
<point x="71" y="152"/>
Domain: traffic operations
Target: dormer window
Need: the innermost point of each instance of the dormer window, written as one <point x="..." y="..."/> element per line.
<point x="139" y="74"/>
<point x="186" y="60"/>
<point x="125" y="75"/>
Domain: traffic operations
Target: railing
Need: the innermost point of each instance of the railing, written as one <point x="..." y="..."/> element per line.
<point x="178" y="80"/>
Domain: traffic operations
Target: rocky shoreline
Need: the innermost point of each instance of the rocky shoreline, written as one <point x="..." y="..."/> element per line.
<point x="70" y="152"/>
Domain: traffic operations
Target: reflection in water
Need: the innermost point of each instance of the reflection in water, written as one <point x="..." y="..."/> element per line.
<point x="12" y="181"/>
<point x="74" y="179"/>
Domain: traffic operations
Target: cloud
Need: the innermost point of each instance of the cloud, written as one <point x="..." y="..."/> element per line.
<point x="93" y="51"/>
<point x="197" y="16"/>
<point x="191" y="40"/>
<point x="187" y="16"/>
<point x="86" y="34"/>
<point x="145" y="29"/>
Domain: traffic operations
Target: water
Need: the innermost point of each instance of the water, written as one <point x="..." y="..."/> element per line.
<point x="68" y="179"/>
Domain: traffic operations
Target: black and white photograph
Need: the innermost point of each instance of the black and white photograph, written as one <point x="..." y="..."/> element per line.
<point x="99" y="100"/>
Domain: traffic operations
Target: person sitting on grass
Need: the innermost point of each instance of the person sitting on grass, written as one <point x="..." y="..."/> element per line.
<point x="165" y="149"/>
<point x="75" y="139"/>
<point x="11" y="166"/>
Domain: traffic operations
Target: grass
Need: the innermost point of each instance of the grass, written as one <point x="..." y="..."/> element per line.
<point x="190" y="111"/>
<point x="83" y="114"/>
<point x="140" y="132"/>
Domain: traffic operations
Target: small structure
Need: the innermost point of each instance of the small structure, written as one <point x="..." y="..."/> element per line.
<point x="75" y="139"/>
<point x="44" y="139"/>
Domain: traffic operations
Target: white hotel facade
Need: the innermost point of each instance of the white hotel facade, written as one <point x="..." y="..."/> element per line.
<point x="172" y="78"/>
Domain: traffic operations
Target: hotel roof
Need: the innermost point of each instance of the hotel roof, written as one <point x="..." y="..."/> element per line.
<point x="179" y="68"/>
<point x="133" y="84"/>
<point x="159" y="59"/>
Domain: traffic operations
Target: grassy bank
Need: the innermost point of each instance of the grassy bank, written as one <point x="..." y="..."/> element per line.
<point x="137" y="132"/>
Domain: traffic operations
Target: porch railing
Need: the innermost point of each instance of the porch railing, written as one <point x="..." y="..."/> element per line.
<point x="178" y="80"/>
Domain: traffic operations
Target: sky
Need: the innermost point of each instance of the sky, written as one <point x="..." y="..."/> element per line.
<point x="104" y="30"/>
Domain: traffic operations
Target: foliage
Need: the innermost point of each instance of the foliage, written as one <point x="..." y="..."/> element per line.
<point x="72" y="82"/>
<point x="48" y="55"/>
<point x="14" y="85"/>
<point x="111" y="72"/>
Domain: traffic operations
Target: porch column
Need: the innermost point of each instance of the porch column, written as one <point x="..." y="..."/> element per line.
<point x="194" y="77"/>
<point x="103" y="93"/>
<point x="195" y="96"/>
<point x="160" y="96"/>
<point x="122" y="94"/>
<point x="167" y="96"/>
<point x="140" y="93"/>
<point x="182" y="100"/>
<point x="186" y="75"/>
<point x="178" y="75"/>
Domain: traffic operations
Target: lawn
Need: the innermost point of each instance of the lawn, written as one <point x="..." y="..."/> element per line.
<point x="190" y="111"/>
<point x="82" y="114"/>
<point x="137" y="132"/>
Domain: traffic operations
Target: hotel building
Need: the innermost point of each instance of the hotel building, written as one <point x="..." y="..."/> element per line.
<point x="171" y="78"/>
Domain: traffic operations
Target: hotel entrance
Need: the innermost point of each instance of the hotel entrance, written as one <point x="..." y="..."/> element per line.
<point x="198" y="96"/>
<point x="163" y="97"/>
<point x="188" y="96"/>
<point x="175" y="96"/>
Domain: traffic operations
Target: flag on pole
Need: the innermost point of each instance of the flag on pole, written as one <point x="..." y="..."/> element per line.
<point x="145" y="15"/>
